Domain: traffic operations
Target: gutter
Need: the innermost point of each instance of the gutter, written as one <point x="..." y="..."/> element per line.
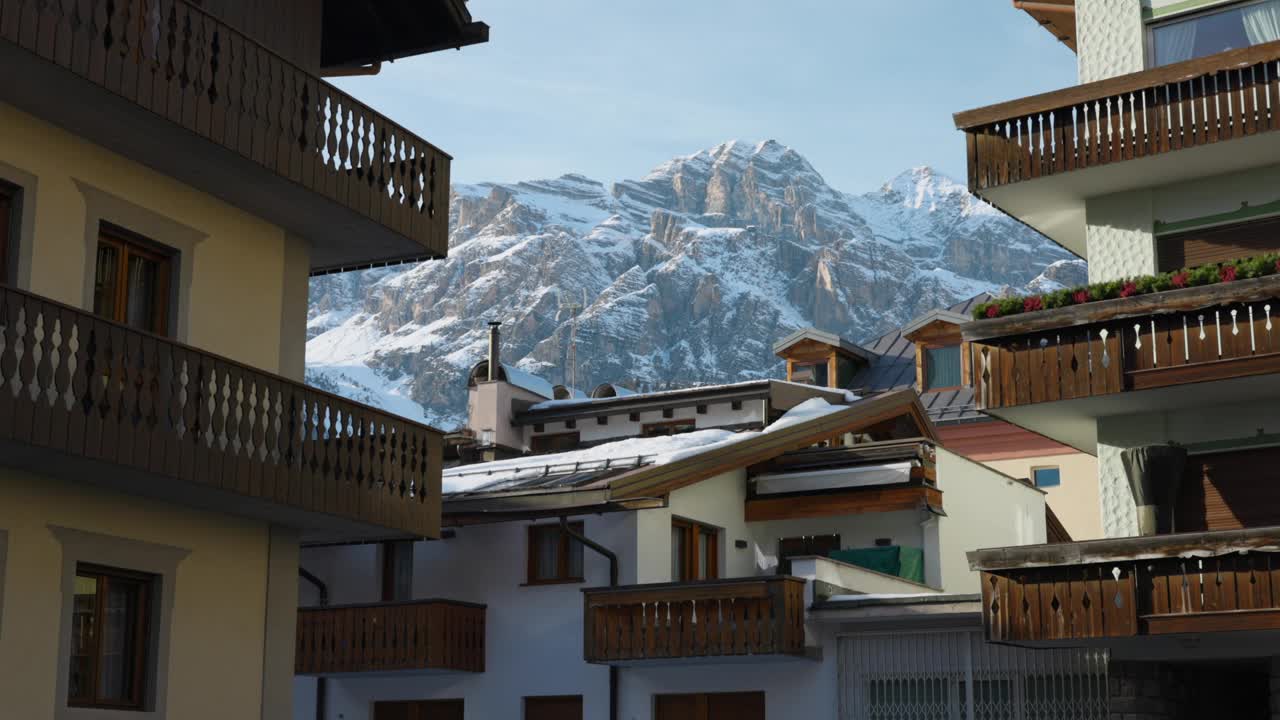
<point x="612" y="557"/>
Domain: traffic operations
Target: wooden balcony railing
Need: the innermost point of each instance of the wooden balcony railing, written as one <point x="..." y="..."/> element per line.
<point x="1194" y="583"/>
<point x="1182" y="336"/>
<point x="83" y="386"/>
<point x="391" y="637"/>
<point x="179" y="62"/>
<point x="710" y="618"/>
<point x="1198" y="102"/>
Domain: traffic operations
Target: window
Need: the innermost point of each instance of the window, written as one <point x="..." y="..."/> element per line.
<point x="131" y="283"/>
<point x="812" y="373"/>
<point x="602" y="420"/>
<point x="554" y="556"/>
<point x="570" y="424"/>
<point x="804" y="545"/>
<point x="633" y="417"/>
<point x="941" y="367"/>
<point x="110" y="631"/>
<point x="8" y="216"/>
<point x="561" y="707"/>
<point x="559" y="442"/>
<point x="418" y="710"/>
<point x="1208" y="33"/>
<point x="1046" y="476"/>
<point x="710" y="706"/>
<point x="397" y="570"/>
<point x="701" y="409"/>
<point x="695" y="551"/>
<point x="668" y="412"/>
<point x="672" y="427"/>
<point x="736" y="405"/>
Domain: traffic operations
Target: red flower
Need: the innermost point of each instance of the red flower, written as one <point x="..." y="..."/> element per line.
<point x="1129" y="290"/>
<point x="1081" y="297"/>
<point x="1032" y="304"/>
<point x="1227" y="273"/>
<point x="1179" y="279"/>
<point x="993" y="311"/>
<point x="1278" y="266"/>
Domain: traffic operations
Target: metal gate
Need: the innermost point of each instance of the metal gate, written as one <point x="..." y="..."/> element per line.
<point x="956" y="675"/>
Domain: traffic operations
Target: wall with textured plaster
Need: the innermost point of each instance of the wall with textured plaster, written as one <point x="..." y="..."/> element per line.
<point x="1119" y="235"/>
<point x="1109" y="38"/>
<point x="1241" y="422"/>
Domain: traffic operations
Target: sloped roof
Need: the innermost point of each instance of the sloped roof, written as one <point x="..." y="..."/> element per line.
<point x="637" y="480"/>
<point x="821" y="336"/>
<point x="893" y="367"/>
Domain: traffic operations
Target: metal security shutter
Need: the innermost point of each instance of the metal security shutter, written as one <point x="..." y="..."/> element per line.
<point x="955" y="675"/>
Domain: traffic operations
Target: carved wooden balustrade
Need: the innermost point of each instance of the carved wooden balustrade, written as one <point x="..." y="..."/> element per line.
<point x="80" y="385"/>
<point x="175" y="60"/>
<point x="1202" y="582"/>
<point x="709" y="618"/>
<point x="1183" y="336"/>
<point x="1207" y="100"/>
<point x="391" y="637"/>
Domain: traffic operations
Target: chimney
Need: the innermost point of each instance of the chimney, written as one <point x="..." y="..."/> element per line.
<point x="495" y="343"/>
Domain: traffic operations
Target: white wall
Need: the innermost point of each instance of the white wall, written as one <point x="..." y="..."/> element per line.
<point x="1118" y="233"/>
<point x="1075" y="501"/>
<point x="985" y="509"/>
<point x="1109" y="38"/>
<point x="1223" y="423"/>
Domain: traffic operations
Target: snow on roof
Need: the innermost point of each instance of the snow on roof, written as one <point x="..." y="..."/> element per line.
<point x="654" y="451"/>
<point x="528" y="381"/>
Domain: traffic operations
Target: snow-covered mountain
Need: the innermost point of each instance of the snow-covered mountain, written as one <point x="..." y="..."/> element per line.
<point x="686" y="275"/>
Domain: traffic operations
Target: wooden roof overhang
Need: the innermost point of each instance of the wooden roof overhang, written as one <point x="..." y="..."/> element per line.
<point x="648" y="486"/>
<point x="1056" y="16"/>
<point x="365" y="32"/>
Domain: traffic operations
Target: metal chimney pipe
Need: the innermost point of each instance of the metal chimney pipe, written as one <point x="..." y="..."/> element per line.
<point x="495" y="342"/>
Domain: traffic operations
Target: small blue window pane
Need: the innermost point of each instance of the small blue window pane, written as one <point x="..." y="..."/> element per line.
<point x="1047" y="477"/>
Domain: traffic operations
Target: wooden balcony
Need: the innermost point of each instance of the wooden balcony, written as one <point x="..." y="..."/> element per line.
<point x="1105" y="589"/>
<point x="1153" y="112"/>
<point x="724" y="619"/>
<point x="1216" y="332"/>
<point x="414" y="636"/>
<point x="96" y="401"/>
<point x="180" y="68"/>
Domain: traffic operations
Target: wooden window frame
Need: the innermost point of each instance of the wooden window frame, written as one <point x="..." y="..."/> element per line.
<point x="735" y="405"/>
<point x="634" y="417"/>
<point x="392" y="555"/>
<point x="825" y="363"/>
<point x="552" y="437"/>
<point x="692" y="531"/>
<point x="562" y="576"/>
<point x="648" y="428"/>
<point x="127" y="244"/>
<point x="142" y="636"/>
<point x="924" y="366"/>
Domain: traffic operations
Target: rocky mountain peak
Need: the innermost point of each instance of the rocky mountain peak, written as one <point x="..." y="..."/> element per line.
<point x="686" y="275"/>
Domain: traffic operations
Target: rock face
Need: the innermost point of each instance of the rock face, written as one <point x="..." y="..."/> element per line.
<point x="686" y="275"/>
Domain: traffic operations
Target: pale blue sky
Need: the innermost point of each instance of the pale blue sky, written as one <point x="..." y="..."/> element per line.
<point x="610" y="88"/>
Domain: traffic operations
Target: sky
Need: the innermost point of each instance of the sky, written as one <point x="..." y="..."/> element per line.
<point x="611" y="88"/>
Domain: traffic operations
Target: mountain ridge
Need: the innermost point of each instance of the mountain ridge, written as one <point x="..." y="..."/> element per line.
<point x="686" y="275"/>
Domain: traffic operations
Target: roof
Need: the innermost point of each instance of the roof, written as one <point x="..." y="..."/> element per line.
<point x="641" y="469"/>
<point x="939" y="315"/>
<point x="364" y="32"/>
<point x="1056" y="16"/>
<point x="893" y="367"/>
<point x="821" y="336"/>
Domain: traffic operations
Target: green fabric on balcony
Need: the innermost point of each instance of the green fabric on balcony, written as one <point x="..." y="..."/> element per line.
<point x="904" y="562"/>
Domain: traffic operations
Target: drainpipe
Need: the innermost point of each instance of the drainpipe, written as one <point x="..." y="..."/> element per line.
<point x="613" y="582"/>
<point x="322" y="681"/>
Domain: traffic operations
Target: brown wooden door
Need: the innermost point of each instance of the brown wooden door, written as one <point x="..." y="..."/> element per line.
<point x="561" y="707"/>
<point x="418" y="710"/>
<point x="1229" y="491"/>
<point x="710" y="706"/>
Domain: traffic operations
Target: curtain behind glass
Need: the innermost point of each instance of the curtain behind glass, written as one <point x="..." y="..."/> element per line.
<point x="1262" y="22"/>
<point x="1175" y="42"/>
<point x="140" y="308"/>
<point x="942" y="367"/>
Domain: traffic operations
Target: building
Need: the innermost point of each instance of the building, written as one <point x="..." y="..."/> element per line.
<point x="170" y="175"/>
<point x="1160" y="169"/>
<point x="929" y="356"/>
<point x="763" y="549"/>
